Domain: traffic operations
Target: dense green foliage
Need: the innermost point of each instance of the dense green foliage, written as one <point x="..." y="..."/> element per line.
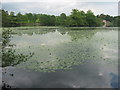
<point x="112" y="21"/>
<point x="75" y="19"/>
<point x="9" y="55"/>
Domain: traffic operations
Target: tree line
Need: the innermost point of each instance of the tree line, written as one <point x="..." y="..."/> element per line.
<point x="112" y="21"/>
<point x="77" y="18"/>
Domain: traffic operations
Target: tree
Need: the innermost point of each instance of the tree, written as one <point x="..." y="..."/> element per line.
<point x="63" y="19"/>
<point x="13" y="20"/>
<point x="116" y="21"/>
<point x="5" y="19"/>
<point x="20" y="18"/>
<point x="92" y="20"/>
<point x="77" y="18"/>
<point x="47" y="20"/>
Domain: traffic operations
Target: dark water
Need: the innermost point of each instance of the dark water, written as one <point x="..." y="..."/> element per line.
<point x="62" y="58"/>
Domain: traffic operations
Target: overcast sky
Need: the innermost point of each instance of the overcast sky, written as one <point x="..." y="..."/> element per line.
<point x="56" y="7"/>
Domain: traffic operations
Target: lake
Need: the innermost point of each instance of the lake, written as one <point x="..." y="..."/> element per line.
<point x="53" y="57"/>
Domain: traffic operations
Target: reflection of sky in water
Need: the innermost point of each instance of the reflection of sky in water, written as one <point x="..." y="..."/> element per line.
<point x="78" y="77"/>
<point x="0" y="57"/>
<point x="45" y="39"/>
<point x="114" y="80"/>
<point x="96" y="56"/>
<point x="0" y="77"/>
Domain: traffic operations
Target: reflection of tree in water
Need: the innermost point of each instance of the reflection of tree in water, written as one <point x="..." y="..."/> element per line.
<point x="79" y="33"/>
<point x="33" y="31"/>
<point x="75" y="33"/>
<point x="67" y="55"/>
<point x="9" y="56"/>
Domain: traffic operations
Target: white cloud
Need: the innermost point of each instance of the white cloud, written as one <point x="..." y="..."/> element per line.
<point x="106" y="8"/>
<point x="5" y="1"/>
<point x="56" y="8"/>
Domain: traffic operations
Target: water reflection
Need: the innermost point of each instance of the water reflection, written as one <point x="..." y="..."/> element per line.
<point x="76" y="34"/>
<point x="9" y="56"/>
<point x="114" y="80"/>
<point x="57" y="49"/>
<point x="54" y="50"/>
<point x="64" y="58"/>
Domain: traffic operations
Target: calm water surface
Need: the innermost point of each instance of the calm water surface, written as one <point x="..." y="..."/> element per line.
<point x="63" y="58"/>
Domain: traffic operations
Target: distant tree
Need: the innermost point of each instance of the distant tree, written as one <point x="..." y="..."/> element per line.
<point x="47" y="20"/>
<point x="13" y="20"/>
<point x="92" y="20"/>
<point x="116" y="21"/>
<point x="78" y="18"/>
<point x="75" y="19"/>
<point x="30" y="18"/>
<point x="63" y="16"/>
<point x="37" y="20"/>
<point x="63" y="19"/>
<point x="5" y="19"/>
<point x="106" y="17"/>
<point x="20" y="18"/>
<point x="53" y="19"/>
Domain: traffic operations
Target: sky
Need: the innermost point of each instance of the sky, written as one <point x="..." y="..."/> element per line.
<point x="56" y="7"/>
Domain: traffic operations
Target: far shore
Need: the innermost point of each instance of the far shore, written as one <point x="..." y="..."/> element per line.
<point x="57" y="27"/>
